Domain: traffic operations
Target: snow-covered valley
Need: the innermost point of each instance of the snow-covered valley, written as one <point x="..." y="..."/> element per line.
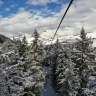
<point x="62" y="38"/>
<point x="31" y="65"/>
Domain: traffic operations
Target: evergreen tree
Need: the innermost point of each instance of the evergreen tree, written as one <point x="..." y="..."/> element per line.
<point x="66" y="80"/>
<point x="34" y="58"/>
<point x="22" y="45"/>
<point x="9" y="59"/>
<point x="21" y="77"/>
<point x="83" y="46"/>
<point x="53" y="64"/>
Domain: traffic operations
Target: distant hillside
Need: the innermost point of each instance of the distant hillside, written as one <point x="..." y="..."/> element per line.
<point x="63" y="38"/>
<point x="4" y="38"/>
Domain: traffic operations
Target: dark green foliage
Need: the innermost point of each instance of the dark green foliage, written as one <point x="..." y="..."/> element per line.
<point x="21" y="45"/>
<point x="1" y="41"/>
<point x="71" y="67"/>
<point x="83" y="47"/>
<point x="84" y="43"/>
<point x="34" y="58"/>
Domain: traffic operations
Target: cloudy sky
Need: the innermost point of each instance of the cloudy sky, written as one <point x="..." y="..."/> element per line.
<point x="23" y="16"/>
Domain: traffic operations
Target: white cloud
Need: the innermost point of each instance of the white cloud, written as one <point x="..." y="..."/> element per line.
<point x="40" y="2"/>
<point x="1" y="2"/>
<point x="7" y="9"/>
<point x="81" y="13"/>
<point x="14" y="5"/>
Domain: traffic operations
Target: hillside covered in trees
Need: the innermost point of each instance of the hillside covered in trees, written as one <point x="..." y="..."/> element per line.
<point x="59" y="69"/>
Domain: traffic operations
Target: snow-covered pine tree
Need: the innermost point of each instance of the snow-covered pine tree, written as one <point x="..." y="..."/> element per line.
<point x="66" y="80"/>
<point x="21" y="77"/>
<point x="22" y="45"/>
<point x="53" y="64"/>
<point x="8" y="59"/>
<point x="83" y="47"/>
<point x="33" y="66"/>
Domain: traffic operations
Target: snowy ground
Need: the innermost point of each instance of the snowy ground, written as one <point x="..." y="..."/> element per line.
<point x="49" y="91"/>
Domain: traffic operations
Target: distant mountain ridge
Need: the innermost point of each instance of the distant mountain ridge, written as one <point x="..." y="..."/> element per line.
<point x="63" y="38"/>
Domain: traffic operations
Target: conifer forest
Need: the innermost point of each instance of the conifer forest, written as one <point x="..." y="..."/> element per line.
<point x="58" y="69"/>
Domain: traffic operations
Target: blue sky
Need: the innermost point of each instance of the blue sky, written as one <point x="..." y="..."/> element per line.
<point x="9" y="7"/>
<point x="23" y="16"/>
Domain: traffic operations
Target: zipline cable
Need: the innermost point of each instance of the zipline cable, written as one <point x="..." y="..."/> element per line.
<point x="63" y="17"/>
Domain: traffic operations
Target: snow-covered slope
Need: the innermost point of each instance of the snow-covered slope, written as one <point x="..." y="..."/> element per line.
<point x="63" y="38"/>
<point x="4" y="38"/>
<point x="93" y="36"/>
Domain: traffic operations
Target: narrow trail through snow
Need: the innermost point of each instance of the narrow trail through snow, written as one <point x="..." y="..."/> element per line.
<point x="49" y="91"/>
